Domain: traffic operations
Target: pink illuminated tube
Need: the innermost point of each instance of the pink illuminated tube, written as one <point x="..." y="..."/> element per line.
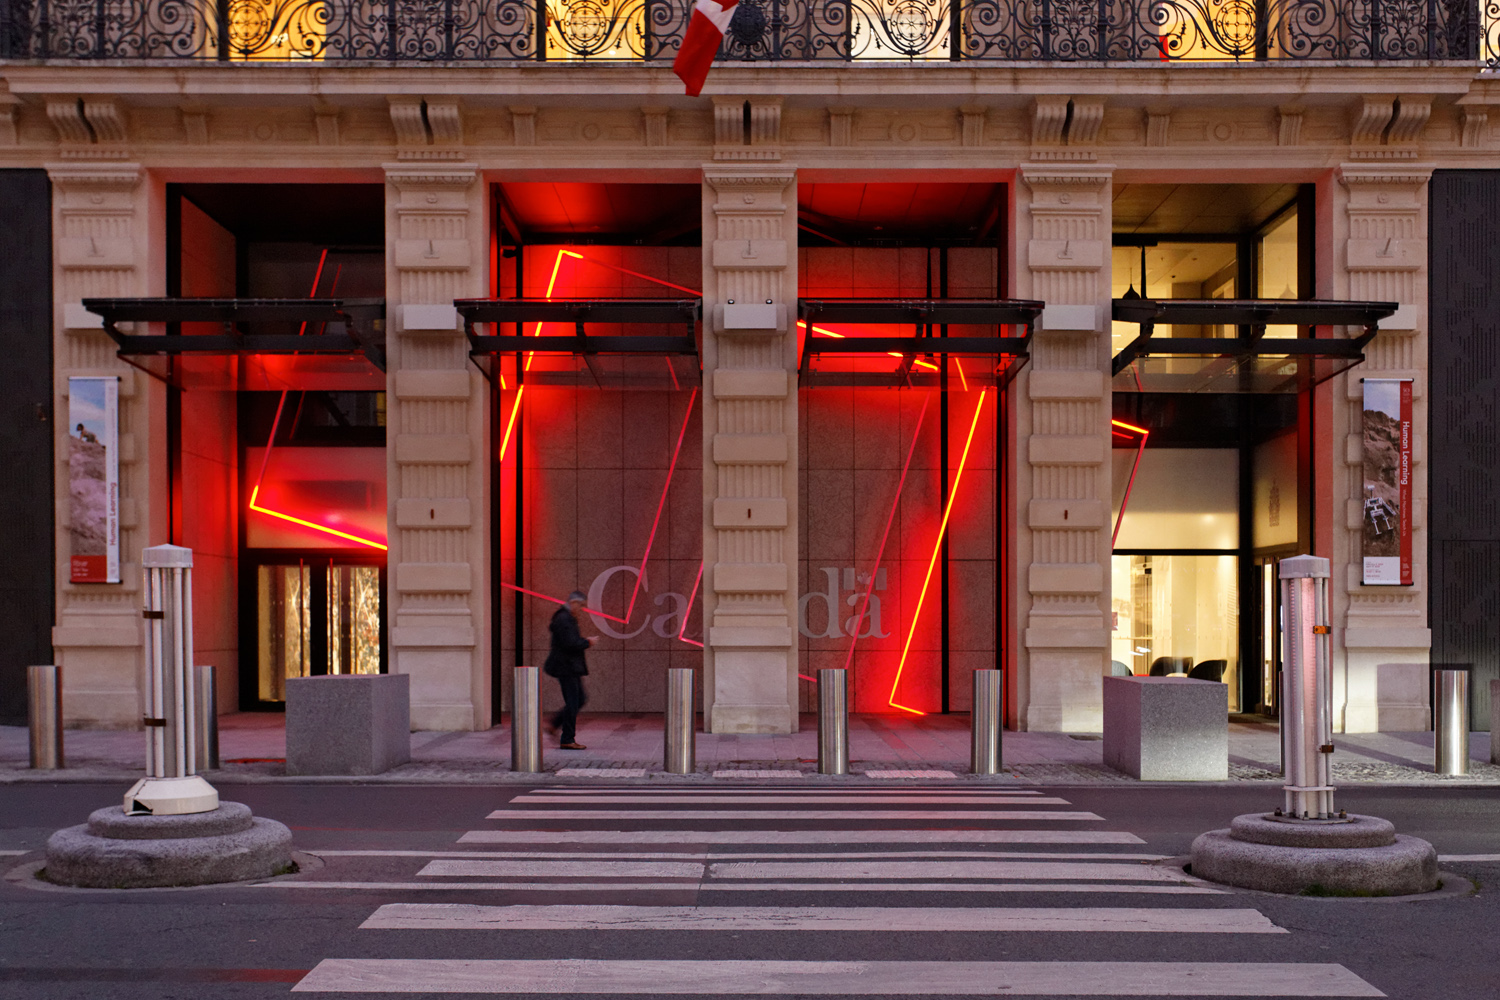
<point x="1139" y="451"/>
<point x="936" y="548"/>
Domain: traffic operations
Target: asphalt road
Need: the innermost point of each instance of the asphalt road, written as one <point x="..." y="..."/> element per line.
<point x="646" y="890"/>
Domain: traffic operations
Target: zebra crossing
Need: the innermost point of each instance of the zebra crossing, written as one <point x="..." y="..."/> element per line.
<point x="589" y="890"/>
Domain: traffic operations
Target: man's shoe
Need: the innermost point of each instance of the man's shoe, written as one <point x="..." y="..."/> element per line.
<point x="573" y="746"/>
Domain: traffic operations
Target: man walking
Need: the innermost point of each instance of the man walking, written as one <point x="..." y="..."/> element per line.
<point x="566" y="662"/>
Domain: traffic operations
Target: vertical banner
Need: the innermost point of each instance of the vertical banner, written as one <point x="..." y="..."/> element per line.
<point x="94" y="479"/>
<point x="1387" y="482"/>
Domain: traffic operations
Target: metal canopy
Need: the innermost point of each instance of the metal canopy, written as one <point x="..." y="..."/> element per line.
<point x="608" y="361"/>
<point x="933" y="312"/>
<point x="922" y="361"/>
<point x="1250" y="362"/>
<point x="264" y="344"/>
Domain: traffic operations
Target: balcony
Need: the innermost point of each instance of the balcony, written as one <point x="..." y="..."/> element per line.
<point x="635" y="31"/>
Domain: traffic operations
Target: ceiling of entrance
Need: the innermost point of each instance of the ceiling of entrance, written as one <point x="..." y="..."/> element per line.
<point x="322" y="214"/>
<point x="935" y="212"/>
<point x="649" y="213"/>
<point x="1198" y="208"/>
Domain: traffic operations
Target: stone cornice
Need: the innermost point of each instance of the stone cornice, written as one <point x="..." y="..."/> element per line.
<point x="109" y="173"/>
<point x="419" y="173"/>
<point x="498" y="84"/>
<point x="1410" y="174"/>
<point x="720" y="176"/>
<point x="1093" y="175"/>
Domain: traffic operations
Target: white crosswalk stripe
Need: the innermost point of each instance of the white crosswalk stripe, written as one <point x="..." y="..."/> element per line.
<point x="767" y="837"/>
<point x="465" y="916"/>
<point x="565" y="861"/>
<point x="700" y="978"/>
<point x="805" y="815"/>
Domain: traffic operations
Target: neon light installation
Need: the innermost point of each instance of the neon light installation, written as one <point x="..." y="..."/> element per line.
<point x="932" y="562"/>
<point x="1126" y="430"/>
<point x="671" y="470"/>
<point x="265" y="461"/>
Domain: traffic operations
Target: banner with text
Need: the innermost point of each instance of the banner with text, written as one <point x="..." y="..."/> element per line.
<point x="94" y="479"/>
<point x="1387" y="482"/>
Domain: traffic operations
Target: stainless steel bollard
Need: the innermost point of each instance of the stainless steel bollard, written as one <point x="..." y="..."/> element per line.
<point x="984" y="722"/>
<point x="526" y="720"/>
<point x="1450" y="723"/>
<point x="44" y="713"/>
<point x="206" y="717"/>
<point x="1307" y="689"/>
<point x="833" y="721"/>
<point x="680" y="753"/>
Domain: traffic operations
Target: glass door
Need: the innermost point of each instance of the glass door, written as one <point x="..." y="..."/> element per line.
<point x="317" y="615"/>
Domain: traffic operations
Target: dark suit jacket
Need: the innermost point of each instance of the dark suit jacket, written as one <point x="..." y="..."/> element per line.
<point x="565" y="659"/>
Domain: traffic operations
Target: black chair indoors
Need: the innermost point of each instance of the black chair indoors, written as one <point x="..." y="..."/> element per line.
<point x="1209" y="670"/>
<point x="1163" y="665"/>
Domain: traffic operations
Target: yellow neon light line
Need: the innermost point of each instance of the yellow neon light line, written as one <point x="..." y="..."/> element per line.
<point x="936" y="547"/>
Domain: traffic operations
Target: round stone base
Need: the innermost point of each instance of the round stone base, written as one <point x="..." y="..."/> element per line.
<point x="1362" y="858"/>
<point x="116" y="851"/>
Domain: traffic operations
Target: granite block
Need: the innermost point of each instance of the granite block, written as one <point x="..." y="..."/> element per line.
<point x="348" y="723"/>
<point x="1166" y="728"/>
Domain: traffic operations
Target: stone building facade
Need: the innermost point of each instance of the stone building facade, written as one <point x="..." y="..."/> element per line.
<point x="1061" y="144"/>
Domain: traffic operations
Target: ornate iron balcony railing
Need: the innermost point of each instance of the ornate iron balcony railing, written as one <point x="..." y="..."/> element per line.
<point x="405" y="31"/>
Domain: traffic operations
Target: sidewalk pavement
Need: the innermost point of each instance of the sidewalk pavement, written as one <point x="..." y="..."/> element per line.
<point x="628" y="747"/>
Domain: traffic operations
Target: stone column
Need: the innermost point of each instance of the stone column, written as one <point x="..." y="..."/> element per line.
<point x="1381" y="237"/>
<point x="750" y="448"/>
<point x="101" y="245"/>
<point x="1060" y="407"/>
<point x="437" y="435"/>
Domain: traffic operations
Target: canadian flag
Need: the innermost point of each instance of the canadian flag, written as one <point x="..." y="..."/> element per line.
<point x="701" y="42"/>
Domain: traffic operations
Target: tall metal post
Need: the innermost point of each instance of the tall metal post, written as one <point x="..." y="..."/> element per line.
<point x="206" y="702"/>
<point x="984" y="723"/>
<point x="833" y="721"/>
<point x="526" y="720"/>
<point x="680" y="753"/>
<point x="1307" y="688"/>
<point x="1450" y="706"/>
<point x="44" y="714"/>
<point x="170" y="787"/>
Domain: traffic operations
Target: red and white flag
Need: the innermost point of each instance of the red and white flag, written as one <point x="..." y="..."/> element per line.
<point x="701" y="42"/>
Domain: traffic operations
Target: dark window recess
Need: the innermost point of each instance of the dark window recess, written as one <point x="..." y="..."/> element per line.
<point x="1464" y="436"/>
<point x="26" y="442"/>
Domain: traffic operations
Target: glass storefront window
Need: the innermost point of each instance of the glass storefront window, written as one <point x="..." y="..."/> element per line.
<point x="1177" y="616"/>
<point x="1183" y="498"/>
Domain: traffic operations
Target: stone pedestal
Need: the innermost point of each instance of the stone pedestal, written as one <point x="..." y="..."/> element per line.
<point x="1167" y="729"/>
<point x="348" y="724"/>
<point x="1357" y="856"/>
<point x="115" y="850"/>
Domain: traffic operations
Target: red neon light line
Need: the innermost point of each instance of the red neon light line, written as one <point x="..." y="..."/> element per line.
<point x="932" y="562"/>
<point x="1140" y="449"/>
<point x="689" y="612"/>
<point x="510" y="426"/>
<point x="661" y="505"/>
<point x="265" y="460"/>
<point x="557" y="600"/>
<point x="885" y="535"/>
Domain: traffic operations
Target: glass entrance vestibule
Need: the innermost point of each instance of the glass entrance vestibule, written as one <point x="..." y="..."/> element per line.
<point x="1218" y="346"/>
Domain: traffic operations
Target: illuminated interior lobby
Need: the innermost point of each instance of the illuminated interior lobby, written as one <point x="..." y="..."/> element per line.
<point x="864" y="365"/>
